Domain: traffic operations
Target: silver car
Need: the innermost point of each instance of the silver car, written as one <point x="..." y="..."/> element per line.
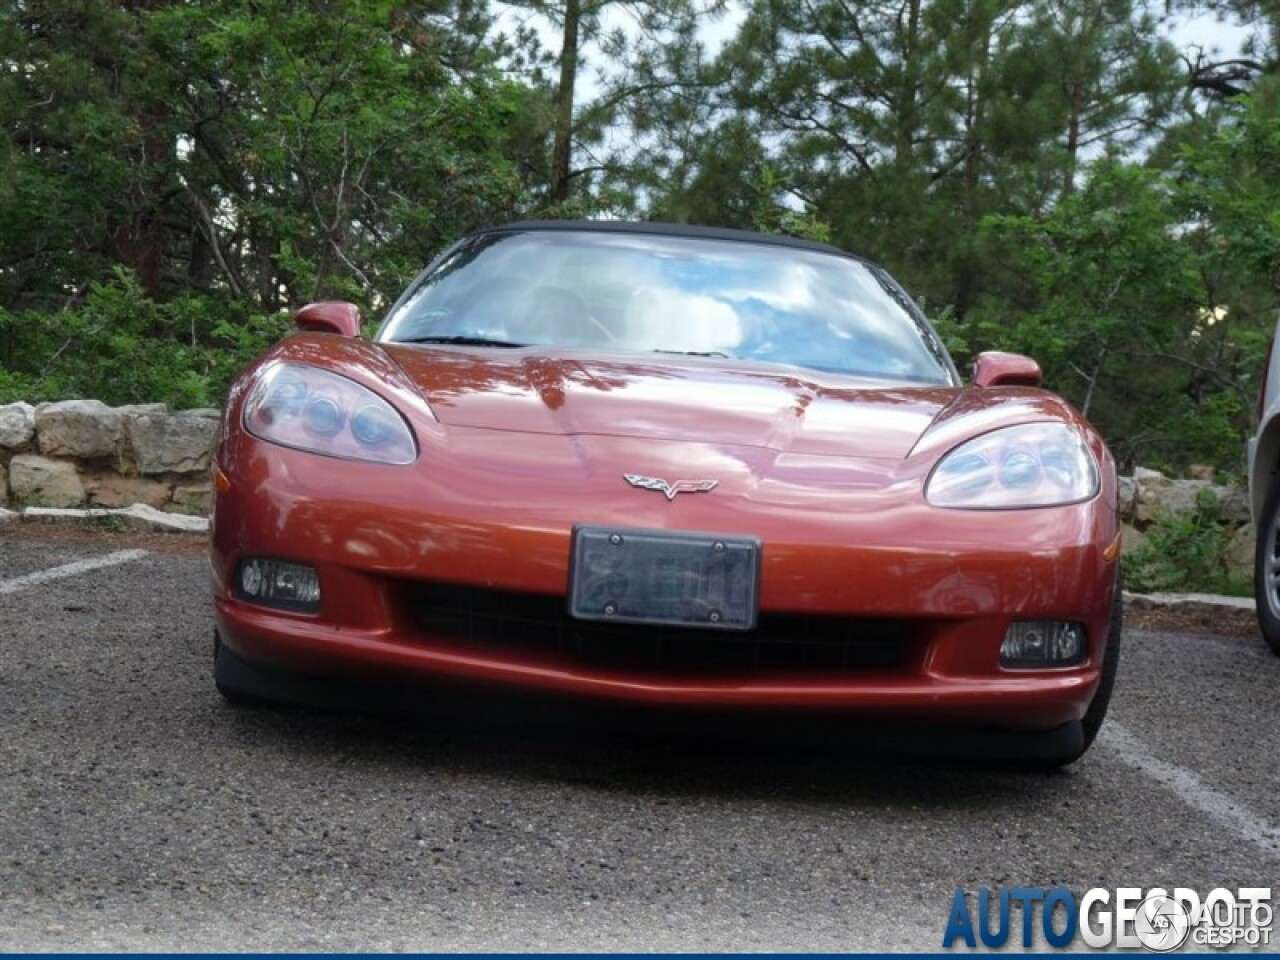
<point x="1264" y="501"/>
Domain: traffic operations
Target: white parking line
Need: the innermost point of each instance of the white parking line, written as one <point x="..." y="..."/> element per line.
<point x="69" y="570"/>
<point x="1189" y="788"/>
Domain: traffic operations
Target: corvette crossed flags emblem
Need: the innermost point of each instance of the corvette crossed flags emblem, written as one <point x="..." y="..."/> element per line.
<point x="670" y="489"/>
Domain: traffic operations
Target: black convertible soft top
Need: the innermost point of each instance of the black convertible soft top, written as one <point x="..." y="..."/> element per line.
<point x="669" y="230"/>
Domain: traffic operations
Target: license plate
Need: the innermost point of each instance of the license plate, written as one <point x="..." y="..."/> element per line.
<point x="663" y="577"/>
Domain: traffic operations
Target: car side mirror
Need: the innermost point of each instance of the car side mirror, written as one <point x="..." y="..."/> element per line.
<point x="330" y="316"/>
<point x="996" y="369"/>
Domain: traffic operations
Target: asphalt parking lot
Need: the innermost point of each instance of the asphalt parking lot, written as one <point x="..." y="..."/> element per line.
<point x="138" y="811"/>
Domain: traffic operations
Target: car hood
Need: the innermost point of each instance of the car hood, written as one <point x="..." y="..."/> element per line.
<point x="683" y="399"/>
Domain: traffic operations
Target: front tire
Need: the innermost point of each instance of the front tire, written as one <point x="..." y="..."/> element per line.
<point x="1266" y="570"/>
<point x="229" y="676"/>
<point x="1097" y="711"/>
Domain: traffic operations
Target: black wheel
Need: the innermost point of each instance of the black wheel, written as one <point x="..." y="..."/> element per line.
<point x="226" y="675"/>
<point x="1266" y="570"/>
<point x="1097" y="711"/>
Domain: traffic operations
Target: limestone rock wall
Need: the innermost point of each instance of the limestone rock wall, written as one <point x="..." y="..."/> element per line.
<point x="80" y="453"/>
<point x="1148" y="494"/>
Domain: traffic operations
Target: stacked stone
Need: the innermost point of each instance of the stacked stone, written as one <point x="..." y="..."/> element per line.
<point x="1149" y="494"/>
<point x="80" y="453"/>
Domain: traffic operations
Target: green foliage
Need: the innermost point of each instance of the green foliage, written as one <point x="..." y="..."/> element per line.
<point x="16" y="386"/>
<point x="1149" y="296"/>
<point x="120" y="346"/>
<point x="173" y="176"/>
<point x="949" y="329"/>
<point x="772" y="216"/>
<point x="1183" y="553"/>
<point x="904" y="124"/>
<point x="313" y="150"/>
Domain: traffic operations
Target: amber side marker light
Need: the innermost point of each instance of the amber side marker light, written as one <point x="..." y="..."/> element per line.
<point x="1112" y="551"/>
<point x="221" y="482"/>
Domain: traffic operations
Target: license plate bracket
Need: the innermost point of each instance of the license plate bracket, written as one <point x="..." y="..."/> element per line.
<point x="665" y="577"/>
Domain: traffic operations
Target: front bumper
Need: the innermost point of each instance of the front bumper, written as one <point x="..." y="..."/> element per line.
<point x="886" y="608"/>
<point x="1030" y="700"/>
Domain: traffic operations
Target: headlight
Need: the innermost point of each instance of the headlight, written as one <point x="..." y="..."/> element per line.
<point x="1031" y="465"/>
<point x="311" y="409"/>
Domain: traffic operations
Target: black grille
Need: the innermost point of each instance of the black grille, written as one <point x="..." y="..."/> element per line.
<point x="537" y="626"/>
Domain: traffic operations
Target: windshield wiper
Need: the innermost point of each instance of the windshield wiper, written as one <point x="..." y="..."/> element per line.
<point x="696" y="353"/>
<point x="463" y="341"/>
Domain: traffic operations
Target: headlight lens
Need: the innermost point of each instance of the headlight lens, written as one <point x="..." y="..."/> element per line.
<point x="311" y="409"/>
<point x="1031" y="465"/>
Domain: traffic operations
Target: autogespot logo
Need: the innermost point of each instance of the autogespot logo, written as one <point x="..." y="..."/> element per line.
<point x="1162" y="923"/>
<point x="1128" y="917"/>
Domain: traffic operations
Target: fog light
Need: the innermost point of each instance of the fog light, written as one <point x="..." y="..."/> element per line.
<point x="276" y="583"/>
<point x="1040" y="644"/>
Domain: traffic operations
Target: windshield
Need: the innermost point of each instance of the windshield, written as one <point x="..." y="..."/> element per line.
<point x="643" y="293"/>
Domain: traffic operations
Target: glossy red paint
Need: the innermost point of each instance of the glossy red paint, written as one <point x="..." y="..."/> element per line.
<point x="517" y="446"/>
<point x="598" y="394"/>
<point x="996" y="369"/>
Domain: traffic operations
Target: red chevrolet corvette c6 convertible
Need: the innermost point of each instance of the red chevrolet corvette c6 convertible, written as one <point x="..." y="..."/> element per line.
<point x="669" y="466"/>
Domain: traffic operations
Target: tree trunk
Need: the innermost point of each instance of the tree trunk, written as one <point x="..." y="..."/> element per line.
<point x="975" y="108"/>
<point x="560" y="154"/>
<point x="906" y="105"/>
<point x="1076" y="96"/>
<point x="140" y="242"/>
